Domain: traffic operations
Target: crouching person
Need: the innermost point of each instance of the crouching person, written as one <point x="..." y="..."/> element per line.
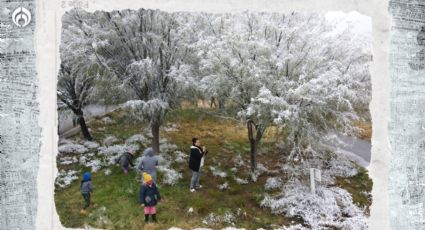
<point x="125" y="161"/>
<point x="149" y="197"/>
<point x="86" y="188"/>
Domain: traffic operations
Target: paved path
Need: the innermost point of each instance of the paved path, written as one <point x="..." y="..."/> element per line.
<point x="355" y="148"/>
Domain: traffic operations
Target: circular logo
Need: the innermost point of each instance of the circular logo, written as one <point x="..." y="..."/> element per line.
<point x="21" y="17"/>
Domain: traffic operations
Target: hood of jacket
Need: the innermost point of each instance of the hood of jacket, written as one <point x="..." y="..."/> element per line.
<point x="86" y="176"/>
<point x="148" y="152"/>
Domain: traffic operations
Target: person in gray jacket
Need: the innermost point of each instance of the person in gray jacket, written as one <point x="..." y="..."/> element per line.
<point x="149" y="163"/>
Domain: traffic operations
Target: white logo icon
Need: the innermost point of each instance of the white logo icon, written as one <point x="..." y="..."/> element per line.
<point x="21" y="17"/>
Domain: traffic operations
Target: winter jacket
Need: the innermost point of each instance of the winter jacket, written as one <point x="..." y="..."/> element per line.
<point x="86" y="185"/>
<point x="125" y="159"/>
<point x="196" y="155"/>
<point x="149" y="161"/>
<point x="149" y="195"/>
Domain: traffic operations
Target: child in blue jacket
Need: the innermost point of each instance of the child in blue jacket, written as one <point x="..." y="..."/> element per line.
<point x="86" y="187"/>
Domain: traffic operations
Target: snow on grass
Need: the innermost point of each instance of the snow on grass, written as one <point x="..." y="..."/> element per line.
<point x="167" y="147"/>
<point x="95" y="165"/>
<point x="112" y="152"/>
<point x="331" y="164"/>
<point x="65" y="178"/>
<point x="107" y="172"/>
<point x="232" y="228"/>
<point x="213" y="219"/>
<point x="262" y="169"/>
<point x="294" y="227"/>
<point x="131" y="104"/>
<point x="240" y="212"/>
<point x="107" y="121"/>
<point x="273" y="183"/>
<point x="241" y="181"/>
<point x="341" y="166"/>
<point x="110" y="140"/>
<point x="171" y="128"/>
<point x="217" y="172"/>
<point x="238" y="161"/>
<point x="227" y="228"/>
<point x="163" y="159"/>
<point x="85" y="158"/>
<point x="100" y="215"/>
<point x="254" y="176"/>
<point x="63" y="141"/>
<point x="224" y="186"/>
<point x="68" y="160"/>
<point x="107" y="154"/>
<point x="329" y="207"/>
<point x="190" y="211"/>
<point x="137" y="138"/>
<point x="91" y="144"/>
<point x="149" y="135"/>
<point x="171" y="176"/>
<point x="181" y="157"/>
<point x="72" y="148"/>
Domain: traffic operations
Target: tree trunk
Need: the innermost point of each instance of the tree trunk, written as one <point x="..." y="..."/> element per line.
<point x="254" y="140"/>
<point x="253" y="155"/>
<point x="221" y="104"/>
<point x="253" y="144"/>
<point x="155" y="137"/>
<point x="83" y="126"/>
<point x="212" y="103"/>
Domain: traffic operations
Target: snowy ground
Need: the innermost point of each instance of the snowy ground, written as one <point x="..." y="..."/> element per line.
<point x="76" y="155"/>
<point x="330" y="207"/>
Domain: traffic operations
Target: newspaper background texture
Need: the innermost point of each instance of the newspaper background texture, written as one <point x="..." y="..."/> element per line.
<point x="407" y="126"/>
<point x="19" y="129"/>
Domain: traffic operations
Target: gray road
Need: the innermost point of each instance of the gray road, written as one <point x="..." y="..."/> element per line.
<point x="89" y="111"/>
<point x="356" y="149"/>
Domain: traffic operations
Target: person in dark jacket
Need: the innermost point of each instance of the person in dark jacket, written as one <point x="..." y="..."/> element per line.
<point x="149" y="197"/>
<point x="196" y="154"/>
<point x="86" y="187"/>
<point x="125" y="160"/>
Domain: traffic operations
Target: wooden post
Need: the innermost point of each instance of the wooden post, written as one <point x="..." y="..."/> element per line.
<point x="312" y="182"/>
<point x="318" y="175"/>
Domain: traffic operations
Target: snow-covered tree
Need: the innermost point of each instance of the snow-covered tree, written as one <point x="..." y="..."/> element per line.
<point x="141" y="48"/>
<point x="292" y="70"/>
<point x="320" y="84"/>
<point x="78" y="70"/>
<point x="74" y="89"/>
<point x="234" y="59"/>
<point x="323" y="78"/>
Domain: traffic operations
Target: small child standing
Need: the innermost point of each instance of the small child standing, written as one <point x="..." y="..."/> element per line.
<point x="86" y="188"/>
<point x="149" y="197"/>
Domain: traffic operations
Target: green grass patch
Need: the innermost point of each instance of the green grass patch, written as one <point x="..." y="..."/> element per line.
<point x="359" y="186"/>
